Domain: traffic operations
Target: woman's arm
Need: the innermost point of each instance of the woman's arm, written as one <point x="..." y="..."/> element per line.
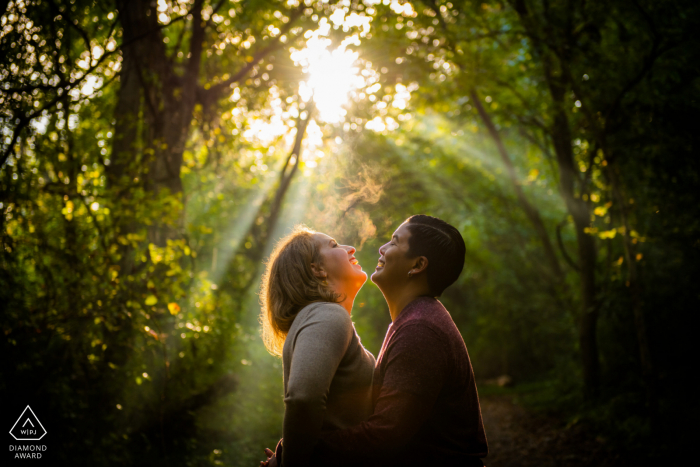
<point x="318" y="348"/>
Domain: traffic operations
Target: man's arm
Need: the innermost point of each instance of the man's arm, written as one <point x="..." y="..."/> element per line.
<point x="415" y="372"/>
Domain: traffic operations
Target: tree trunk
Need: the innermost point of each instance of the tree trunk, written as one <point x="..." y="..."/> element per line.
<point x="125" y="148"/>
<point x="126" y="154"/>
<point x="648" y="372"/>
<point x="152" y="94"/>
<point x="163" y="103"/>
<point x="577" y="207"/>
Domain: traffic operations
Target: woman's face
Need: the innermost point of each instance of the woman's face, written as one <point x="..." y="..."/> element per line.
<point x="394" y="264"/>
<point x="339" y="264"/>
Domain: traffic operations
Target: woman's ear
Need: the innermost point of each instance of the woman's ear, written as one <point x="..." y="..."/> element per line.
<point x="420" y="265"/>
<point x="318" y="271"/>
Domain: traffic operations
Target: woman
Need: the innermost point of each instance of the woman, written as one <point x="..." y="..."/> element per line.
<point x="307" y="294"/>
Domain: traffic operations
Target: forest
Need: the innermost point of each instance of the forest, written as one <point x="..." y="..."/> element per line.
<point x="153" y="151"/>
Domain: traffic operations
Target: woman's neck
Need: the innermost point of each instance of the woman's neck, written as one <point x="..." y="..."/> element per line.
<point x="347" y="294"/>
<point x="348" y="302"/>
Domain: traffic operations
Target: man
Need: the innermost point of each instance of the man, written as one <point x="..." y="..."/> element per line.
<point x="426" y="406"/>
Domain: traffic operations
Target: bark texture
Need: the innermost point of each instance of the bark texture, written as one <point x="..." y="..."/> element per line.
<point x="552" y="53"/>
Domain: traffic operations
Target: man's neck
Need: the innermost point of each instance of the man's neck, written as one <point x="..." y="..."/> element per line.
<point x="397" y="302"/>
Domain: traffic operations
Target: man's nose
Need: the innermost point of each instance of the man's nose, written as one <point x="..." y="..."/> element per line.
<point x="381" y="249"/>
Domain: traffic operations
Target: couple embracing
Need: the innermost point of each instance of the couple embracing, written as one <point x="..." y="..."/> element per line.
<point x="417" y="404"/>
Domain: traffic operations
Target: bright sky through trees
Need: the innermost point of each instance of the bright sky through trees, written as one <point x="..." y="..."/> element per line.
<point x="332" y="75"/>
<point x="332" y="72"/>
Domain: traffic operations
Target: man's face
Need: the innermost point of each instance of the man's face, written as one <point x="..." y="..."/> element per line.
<point x="394" y="264"/>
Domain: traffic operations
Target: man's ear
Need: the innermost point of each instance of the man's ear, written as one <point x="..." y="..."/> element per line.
<point x="318" y="271"/>
<point x="420" y="265"/>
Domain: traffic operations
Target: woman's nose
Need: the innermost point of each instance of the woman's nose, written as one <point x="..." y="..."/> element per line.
<point x="351" y="249"/>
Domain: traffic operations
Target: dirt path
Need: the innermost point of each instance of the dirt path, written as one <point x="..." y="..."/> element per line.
<point x="520" y="438"/>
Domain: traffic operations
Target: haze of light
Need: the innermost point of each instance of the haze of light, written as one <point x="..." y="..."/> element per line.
<point x="332" y="75"/>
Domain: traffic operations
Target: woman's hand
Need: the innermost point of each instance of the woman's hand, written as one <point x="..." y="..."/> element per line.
<point x="271" y="459"/>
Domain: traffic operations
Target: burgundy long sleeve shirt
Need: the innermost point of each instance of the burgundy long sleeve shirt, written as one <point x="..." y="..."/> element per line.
<point x="426" y="406"/>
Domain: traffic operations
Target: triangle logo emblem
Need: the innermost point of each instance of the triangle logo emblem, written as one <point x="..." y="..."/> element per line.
<point x="27" y="427"/>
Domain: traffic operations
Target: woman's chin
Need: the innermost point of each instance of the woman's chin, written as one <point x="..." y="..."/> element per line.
<point x="363" y="276"/>
<point x="358" y="270"/>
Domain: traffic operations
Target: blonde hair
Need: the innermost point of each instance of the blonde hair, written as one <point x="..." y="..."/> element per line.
<point x="289" y="284"/>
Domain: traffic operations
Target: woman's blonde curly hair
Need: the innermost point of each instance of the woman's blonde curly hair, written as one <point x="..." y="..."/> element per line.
<point x="289" y="284"/>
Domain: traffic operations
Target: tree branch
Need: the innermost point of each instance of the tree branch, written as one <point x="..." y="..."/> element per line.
<point x="193" y="64"/>
<point x="564" y="253"/>
<point x="214" y="91"/>
<point x="214" y="10"/>
<point x="530" y="211"/>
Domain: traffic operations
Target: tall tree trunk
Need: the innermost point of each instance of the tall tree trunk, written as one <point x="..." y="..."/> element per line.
<point x="126" y="151"/>
<point x="125" y="142"/>
<point x="173" y="117"/>
<point x="164" y="101"/>
<point x="633" y="283"/>
<point x="543" y="40"/>
<point x="577" y="207"/>
<point x="153" y="95"/>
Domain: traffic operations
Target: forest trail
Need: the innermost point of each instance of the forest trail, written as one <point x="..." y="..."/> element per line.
<point x="520" y="438"/>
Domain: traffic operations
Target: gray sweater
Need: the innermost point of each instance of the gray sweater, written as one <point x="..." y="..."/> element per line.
<point x="327" y="379"/>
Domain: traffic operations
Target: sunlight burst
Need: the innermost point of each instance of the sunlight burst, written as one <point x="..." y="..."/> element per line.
<point x="332" y="75"/>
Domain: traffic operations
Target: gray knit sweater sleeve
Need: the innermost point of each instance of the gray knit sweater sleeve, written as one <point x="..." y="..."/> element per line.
<point x="314" y="348"/>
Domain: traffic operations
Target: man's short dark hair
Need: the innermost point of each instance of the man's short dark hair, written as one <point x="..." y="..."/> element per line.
<point x="444" y="247"/>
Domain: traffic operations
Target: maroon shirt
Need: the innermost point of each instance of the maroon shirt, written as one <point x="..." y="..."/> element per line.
<point x="426" y="408"/>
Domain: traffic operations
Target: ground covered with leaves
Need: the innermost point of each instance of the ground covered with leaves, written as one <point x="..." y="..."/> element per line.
<point x="518" y="436"/>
